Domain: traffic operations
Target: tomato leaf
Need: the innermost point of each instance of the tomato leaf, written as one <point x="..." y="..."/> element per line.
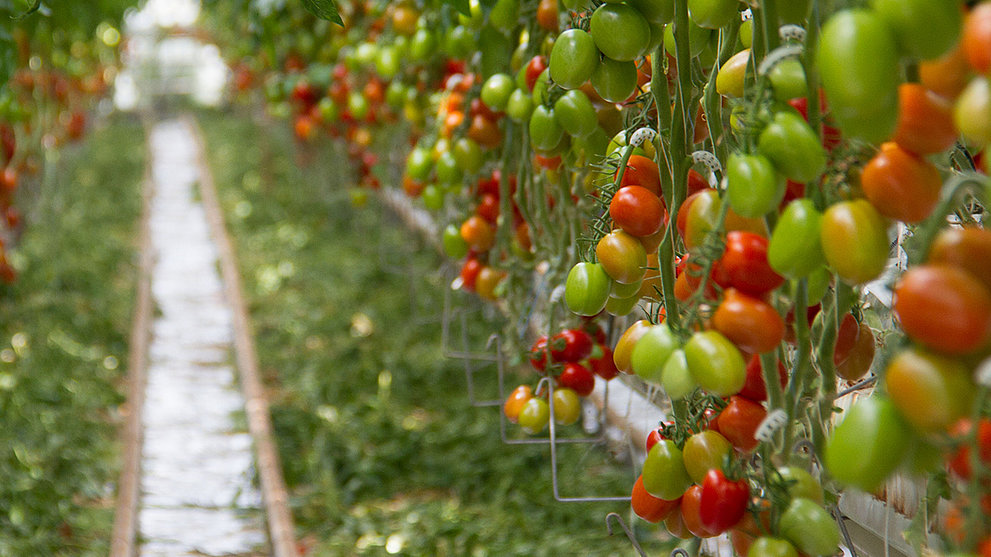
<point x="31" y="9"/>
<point x="460" y="5"/>
<point x="324" y="9"/>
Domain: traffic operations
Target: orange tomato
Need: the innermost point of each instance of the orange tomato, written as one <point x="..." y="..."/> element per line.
<point x="901" y="185"/>
<point x="976" y="38"/>
<point x="925" y="121"/>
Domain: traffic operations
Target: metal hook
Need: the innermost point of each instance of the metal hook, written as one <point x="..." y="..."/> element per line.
<point x="626" y="529"/>
<point x="838" y="517"/>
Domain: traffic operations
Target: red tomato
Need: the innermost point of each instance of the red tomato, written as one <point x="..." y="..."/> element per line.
<point x="690" y="512"/>
<point x="650" y="508"/>
<point x="469" y="273"/>
<point x="755" y="388"/>
<point x="534" y="68"/>
<point x="959" y="461"/>
<point x="739" y="420"/>
<point x="488" y="208"/>
<point x="604" y="367"/>
<point x="577" y="378"/>
<point x="968" y="248"/>
<point x="642" y="171"/>
<point x="637" y="211"/>
<point x="901" y="185"/>
<point x="744" y="265"/>
<point x="855" y="360"/>
<point x="696" y="182"/>
<point x="925" y="121"/>
<point x="752" y="324"/>
<point x="539" y="355"/>
<point x="976" y="38"/>
<point x="943" y="307"/>
<point x="723" y="502"/>
<point x="571" y="345"/>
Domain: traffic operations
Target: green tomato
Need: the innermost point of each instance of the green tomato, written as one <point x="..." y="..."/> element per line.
<point x="795" y="250"/>
<point x="387" y="62"/>
<point x="534" y="416"/>
<point x="676" y="378"/>
<point x="716" y="363"/>
<point x="545" y="132"/>
<point x="802" y="484"/>
<point x="460" y="42"/>
<point x="620" y="290"/>
<point x="788" y="80"/>
<point x="419" y="164"/>
<point x="423" y="45"/>
<point x="705" y="451"/>
<point x="567" y="406"/>
<point x="505" y="15"/>
<point x="772" y="547"/>
<point x="520" y="106"/>
<point x="858" y="64"/>
<point x="810" y="527"/>
<point x="573" y="58"/>
<point x="495" y="48"/>
<point x="868" y="445"/>
<point x="652" y="351"/>
<point x="541" y="88"/>
<point x="657" y="12"/>
<point x="395" y="94"/>
<point x="576" y="114"/>
<point x="358" y="105"/>
<point x="713" y="14"/>
<point x="753" y="186"/>
<point x="819" y="281"/>
<point x="328" y="109"/>
<point x="497" y="90"/>
<point x="924" y="29"/>
<point x="454" y="244"/>
<point x="468" y="155"/>
<point x="793" y="147"/>
<point x="619" y="31"/>
<point x="621" y="306"/>
<point x="854" y="238"/>
<point x="433" y="197"/>
<point x="664" y="473"/>
<point x="615" y="81"/>
<point x="972" y="111"/>
<point x="586" y="290"/>
<point x="447" y="169"/>
<point x="698" y="39"/>
<point x="592" y="145"/>
<point x="747" y="33"/>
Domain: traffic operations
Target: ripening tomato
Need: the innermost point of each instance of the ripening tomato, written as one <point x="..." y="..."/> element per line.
<point x="534" y="416"/>
<point x="976" y="39"/>
<point x="624" y="346"/>
<point x="573" y="58"/>
<point x="664" y="473"/>
<point x="637" y="211"/>
<point x="478" y="233"/>
<point x="931" y="391"/>
<point x="488" y="281"/>
<point x="547" y="15"/>
<point x="731" y="77"/>
<point x="744" y="265"/>
<point x="868" y="444"/>
<point x="858" y="63"/>
<point x="753" y="186"/>
<point x="858" y="359"/>
<point x="515" y="402"/>
<point x="960" y="461"/>
<point x="650" y="508"/>
<point x="946" y="76"/>
<point x="972" y="111"/>
<point x="715" y="363"/>
<point x="622" y="256"/>
<point x="691" y="503"/>
<point x="642" y="171"/>
<point x="723" y="502"/>
<point x="967" y="248"/>
<point x="925" y="121"/>
<point x="675" y="525"/>
<point x="704" y="451"/>
<point x="738" y="422"/>
<point x="586" y="289"/>
<point x="944" y="308"/>
<point x="854" y="240"/>
<point x="469" y="273"/>
<point x="752" y="324"/>
<point x="901" y="185"/>
<point x="755" y="387"/>
<point x="766" y="546"/>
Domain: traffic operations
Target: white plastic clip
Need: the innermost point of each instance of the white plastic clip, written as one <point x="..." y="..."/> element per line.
<point x="747" y="14"/>
<point x="770" y="425"/>
<point x="642" y="135"/>
<point x="708" y="159"/>
<point x="982" y="375"/>
<point x="777" y="55"/>
<point x="557" y="293"/>
<point x="792" y="33"/>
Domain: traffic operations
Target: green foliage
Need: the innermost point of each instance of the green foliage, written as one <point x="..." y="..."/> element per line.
<point x="379" y="441"/>
<point x="324" y="9"/>
<point x="63" y="349"/>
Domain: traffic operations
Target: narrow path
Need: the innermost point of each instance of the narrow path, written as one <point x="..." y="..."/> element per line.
<point x="197" y="464"/>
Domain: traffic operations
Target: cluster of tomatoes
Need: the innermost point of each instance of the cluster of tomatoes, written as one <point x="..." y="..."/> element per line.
<point x="734" y="171"/>
<point x="570" y="361"/>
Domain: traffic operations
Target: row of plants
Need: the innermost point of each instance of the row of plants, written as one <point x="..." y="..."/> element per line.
<point x="750" y="178"/>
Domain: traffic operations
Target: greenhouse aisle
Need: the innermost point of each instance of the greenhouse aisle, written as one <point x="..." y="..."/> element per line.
<point x="197" y="466"/>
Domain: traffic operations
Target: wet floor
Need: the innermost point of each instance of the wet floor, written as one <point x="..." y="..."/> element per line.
<point x="197" y="497"/>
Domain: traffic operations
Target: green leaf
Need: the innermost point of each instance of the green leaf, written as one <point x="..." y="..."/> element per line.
<point x="325" y="9"/>
<point x="460" y="5"/>
<point x="31" y="9"/>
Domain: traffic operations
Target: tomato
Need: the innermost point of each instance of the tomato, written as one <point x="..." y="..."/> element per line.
<point x="976" y="38"/>
<point x="697" y="217"/>
<point x="664" y="473"/>
<point x="801" y="484"/>
<point x="622" y="256"/>
<point x="571" y="345"/>
<point x="539" y="354"/>
<point x="750" y="323"/>
<point x="676" y="378"/>
<point x="772" y="547"/>
<point x="794" y="148"/>
<point x="619" y="31"/>
<point x="515" y="402"/>
<point x="485" y="131"/>
<point x="868" y="444"/>
<point x="691" y="503"/>
<point x="520" y="106"/>
<point x="967" y="248"/>
<point x="932" y="392"/>
<point x="723" y="502"/>
<point x="534" y="416"/>
<point x="946" y="76"/>
<point x="755" y="388"/>
<point x="675" y="525"/>
<point x="739" y="422"/>
<point x="637" y="211"/>
<point x="505" y="15"/>
<point x="858" y="64"/>
<point x="744" y="265"/>
<point x="433" y="197"/>
<point x="925" y="121"/>
<point x="795" y="250"/>
<point x="716" y="363"/>
<point x="604" y="367"/>
<point x="545" y="131"/>
<point x="901" y="185"/>
<point x="454" y="245"/>
<point x="972" y="112"/>
<point x="422" y="45"/>
<point x="469" y="273"/>
<point x="923" y="28"/>
<point x="753" y="186"/>
<point x="587" y="289"/>
<point x="573" y="58"/>
<point x="487" y="282"/>
<point x="578" y="378"/>
<point x="959" y="461"/>
<point x="447" y="170"/>
<point x="642" y="171"/>
<point x="713" y="14"/>
<point x="547" y="15"/>
<point x="614" y="80"/>
<point x="698" y="39"/>
<point x="854" y="239"/>
<point x="810" y="527"/>
<point x="652" y="352"/>
<point x="650" y="508"/>
<point x="496" y="91"/>
<point x="944" y="308"/>
<point x="788" y="80"/>
<point x="857" y="361"/>
<point x="576" y="114"/>
<point x="566" y="405"/>
<point x="478" y="233"/>
<point x="533" y="69"/>
<point x="732" y="75"/>
<point x="418" y="164"/>
<point x="624" y="346"/>
<point x="704" y="451"/>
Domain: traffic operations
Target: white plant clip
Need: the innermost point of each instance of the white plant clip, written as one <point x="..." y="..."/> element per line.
<point x="708" y="159"/>
<point x="642" y="135"/>
<point x="982" y="375"/>
<point x="777" y="55"/>
<point x="770" y="425"/>
<point x="747" y="14"/>
<point x="792" y="33"/>
<point x="557" y="293"/>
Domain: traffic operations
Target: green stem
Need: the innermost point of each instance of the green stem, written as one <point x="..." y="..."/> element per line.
<point x="951" y="196"/>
